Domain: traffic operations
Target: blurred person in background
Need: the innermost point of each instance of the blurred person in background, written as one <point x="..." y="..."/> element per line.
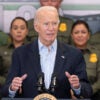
<point x="64" y="25"/>
<point x="18" y="33"/>
<point x="80" y="34"/>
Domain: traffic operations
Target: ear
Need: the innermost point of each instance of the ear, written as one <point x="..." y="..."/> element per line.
<point x="36" y="27"/>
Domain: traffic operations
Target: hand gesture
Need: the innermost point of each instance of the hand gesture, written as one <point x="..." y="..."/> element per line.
<point x="73" y="80"/>
<point x="17" y="82"/>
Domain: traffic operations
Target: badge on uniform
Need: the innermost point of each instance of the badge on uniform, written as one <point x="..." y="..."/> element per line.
<point x="63" y="27"/>
<point x="93" y="58"/>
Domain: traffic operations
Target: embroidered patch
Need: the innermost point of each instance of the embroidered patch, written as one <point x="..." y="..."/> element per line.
<point x="93" y="58"/>
<point x="63" y="27"/>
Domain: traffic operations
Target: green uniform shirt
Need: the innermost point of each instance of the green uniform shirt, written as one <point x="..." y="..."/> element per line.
<point x="92" y="59"/>
<point x="95" y="40"/>
<point x="63" y="32"/>
<point x="3" y="38"/>
<point x="5" y="55"/>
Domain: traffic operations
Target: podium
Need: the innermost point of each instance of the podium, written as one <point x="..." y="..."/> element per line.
<point x="43" y="96"/>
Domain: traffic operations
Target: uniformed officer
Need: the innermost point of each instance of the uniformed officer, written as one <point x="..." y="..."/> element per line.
<point x="64" y="26"/>
<point x="18" y="33"/>
<point x="95" y="39"/>
<point x="80" y="35"/>
<point x="3" y="38"/>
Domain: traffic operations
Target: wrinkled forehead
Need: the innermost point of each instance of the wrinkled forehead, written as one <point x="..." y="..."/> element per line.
<point x="48" y="16"/>
<point x="47" y="11"/>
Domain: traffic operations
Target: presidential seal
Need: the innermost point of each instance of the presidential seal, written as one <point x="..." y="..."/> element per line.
<point x="44" y="96"/>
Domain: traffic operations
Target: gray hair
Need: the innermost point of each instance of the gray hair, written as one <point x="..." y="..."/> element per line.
<point x="42" y="10"/>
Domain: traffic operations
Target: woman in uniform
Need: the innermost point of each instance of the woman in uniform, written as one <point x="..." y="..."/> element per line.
<point x="80" y="35"/>
<point x="18" y="34"/>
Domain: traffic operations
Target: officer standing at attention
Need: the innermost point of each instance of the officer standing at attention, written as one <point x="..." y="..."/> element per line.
<point x="80" y="35"/>
<point x="64" y="25"/>
<point x="18" y="33"/>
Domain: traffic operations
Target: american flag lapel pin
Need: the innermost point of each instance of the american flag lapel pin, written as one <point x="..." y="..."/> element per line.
<point x="63" y="57"/>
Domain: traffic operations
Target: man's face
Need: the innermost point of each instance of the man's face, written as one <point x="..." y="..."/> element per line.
<point x="54" y="3"/>
<point x="47" y="27"/>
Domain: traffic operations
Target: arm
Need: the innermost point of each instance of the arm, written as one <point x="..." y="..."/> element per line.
<point x="79" y="79"/>
<point x="16" y="85"/>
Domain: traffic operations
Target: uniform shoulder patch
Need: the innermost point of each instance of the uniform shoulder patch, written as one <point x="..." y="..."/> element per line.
<point x="93" y="58"/>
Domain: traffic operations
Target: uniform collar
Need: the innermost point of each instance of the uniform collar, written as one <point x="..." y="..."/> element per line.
<point x="88" y="49"/>
<point x="11" y="46"/>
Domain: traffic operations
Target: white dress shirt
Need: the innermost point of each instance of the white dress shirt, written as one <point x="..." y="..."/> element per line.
<point x="47" y="60"/>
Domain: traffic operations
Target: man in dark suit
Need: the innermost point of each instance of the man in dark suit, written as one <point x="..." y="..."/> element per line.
<point x="49" y="56"/>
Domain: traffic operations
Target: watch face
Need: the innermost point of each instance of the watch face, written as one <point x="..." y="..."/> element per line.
<point x="45" y="96"/>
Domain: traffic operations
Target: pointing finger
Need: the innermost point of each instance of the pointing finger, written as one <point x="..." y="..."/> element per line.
<point x="68" y="74"/>
<point x="23" y="77"/>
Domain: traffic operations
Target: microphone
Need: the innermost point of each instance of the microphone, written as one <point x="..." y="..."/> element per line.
<point x="40" y="83"/>
<point x="53" y="82"/>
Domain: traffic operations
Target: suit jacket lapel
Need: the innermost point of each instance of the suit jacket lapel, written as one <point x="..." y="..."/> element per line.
<point x="35" y="57"/>
<point x="60" y="58"/>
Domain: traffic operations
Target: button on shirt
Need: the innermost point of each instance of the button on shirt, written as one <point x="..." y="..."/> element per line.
<point x="47" y="60"/>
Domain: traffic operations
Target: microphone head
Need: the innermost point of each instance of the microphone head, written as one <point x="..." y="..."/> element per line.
<point x="41" y="74"/>
<point x="54" y="79"/>
<point x="53" y="82"/>
<point x="41" y="78"/>
<point x="40" y="83"/>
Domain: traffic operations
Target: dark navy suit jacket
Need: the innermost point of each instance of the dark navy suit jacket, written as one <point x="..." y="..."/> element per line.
<point x="26" y="59"/>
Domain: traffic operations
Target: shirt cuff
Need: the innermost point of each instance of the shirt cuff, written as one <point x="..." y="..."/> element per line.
<point x="77" y="91"/>
<point x="12" y="93"/>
